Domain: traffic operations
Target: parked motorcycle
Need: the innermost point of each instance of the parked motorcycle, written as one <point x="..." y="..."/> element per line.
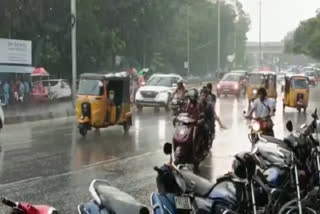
<point x="25" y="208"/>
<point x="190" y="146"/>
<point x="232" y="193"/>
<point x="107" y="199"/>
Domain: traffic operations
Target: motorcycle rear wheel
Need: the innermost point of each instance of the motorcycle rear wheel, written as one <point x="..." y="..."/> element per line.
<point x="291" y="207"/>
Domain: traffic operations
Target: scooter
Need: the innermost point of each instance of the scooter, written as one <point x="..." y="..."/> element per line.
<point x="25" y="208"/>
<point x="107" y="199"/>
<point x="190" y="147"/>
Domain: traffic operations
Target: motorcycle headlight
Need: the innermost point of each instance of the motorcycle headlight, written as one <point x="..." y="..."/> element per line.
<point x="256" y="126"/>
<point x="254" y="92"/>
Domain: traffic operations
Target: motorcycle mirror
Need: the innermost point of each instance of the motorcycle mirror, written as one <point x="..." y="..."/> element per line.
<point x="167" y="148"/>
<point x="289" y="126"/>
<point x="315" y="114"/>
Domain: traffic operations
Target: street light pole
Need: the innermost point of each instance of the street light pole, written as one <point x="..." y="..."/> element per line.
<point x="188" y="39"/>
<point x="219" y="36"/>
<point x="260" y="45"/>
<point x="74" y="50"/>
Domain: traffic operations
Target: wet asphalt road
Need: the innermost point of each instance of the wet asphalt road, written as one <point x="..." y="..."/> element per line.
<point x="49" y="162"/>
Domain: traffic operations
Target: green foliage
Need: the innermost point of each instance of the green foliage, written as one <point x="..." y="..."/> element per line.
<point x="146" y="33"/>
<point x="306" y="39"/>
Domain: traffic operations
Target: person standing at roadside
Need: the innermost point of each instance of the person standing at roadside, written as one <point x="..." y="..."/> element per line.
<point x="21" y="90"/>
<point x="6" y="92"/>
<point x="26" y="90"/>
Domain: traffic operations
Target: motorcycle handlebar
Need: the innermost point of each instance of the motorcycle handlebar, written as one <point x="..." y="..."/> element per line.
<point x="8" y="202"/>
<point x="158" y="170"/>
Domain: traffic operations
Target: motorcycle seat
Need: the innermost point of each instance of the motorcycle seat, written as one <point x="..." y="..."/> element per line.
<point x="113" y="199"/>
<point x="200" y="186"/>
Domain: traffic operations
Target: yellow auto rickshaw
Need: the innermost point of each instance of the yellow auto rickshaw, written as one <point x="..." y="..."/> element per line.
<point x="258" y="79"/>
<point x="103" y="100"/>
<point x="296" y="92"/>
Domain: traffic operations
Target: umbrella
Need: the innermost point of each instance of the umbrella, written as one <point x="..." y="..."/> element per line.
<point x="40" y="72"/>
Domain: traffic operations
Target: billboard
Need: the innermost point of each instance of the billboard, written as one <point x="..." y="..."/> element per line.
<point x="15" y="52"/>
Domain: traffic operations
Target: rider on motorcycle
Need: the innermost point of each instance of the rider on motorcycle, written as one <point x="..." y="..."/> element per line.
<point x="193" y="105"/>
<point x="180" y="91"/>
<point x="264" y="108"/>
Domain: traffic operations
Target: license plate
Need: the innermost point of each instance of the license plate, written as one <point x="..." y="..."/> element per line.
<point x="148" y="100"/>
<point x="183" y="203"/>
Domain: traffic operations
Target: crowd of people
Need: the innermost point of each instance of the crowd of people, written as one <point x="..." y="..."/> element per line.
<point x="13" y="91"/>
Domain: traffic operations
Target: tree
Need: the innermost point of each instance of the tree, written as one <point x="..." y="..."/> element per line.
<point x="149" y="33"/>
<point x="305" y="39"/>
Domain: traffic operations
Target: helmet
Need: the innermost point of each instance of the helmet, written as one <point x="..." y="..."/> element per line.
<point x="193" y="94"/>
<point x="244" y="165"/>
<point x="180" y="82"/>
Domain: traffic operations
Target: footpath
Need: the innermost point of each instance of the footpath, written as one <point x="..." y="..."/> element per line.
<point x="37" y="111"/>
<point x="42" y="111"/>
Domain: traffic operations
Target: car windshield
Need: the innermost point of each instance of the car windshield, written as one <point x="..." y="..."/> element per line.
<point x="90" y="87"/>
<point x="230" y="77"/>
<point x="299" y="83"/>
<point x="162" y="81"/>
<point x="256" y="79"/>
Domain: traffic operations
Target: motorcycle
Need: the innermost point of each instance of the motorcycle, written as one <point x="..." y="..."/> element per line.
<point x="178" y="105"/>
<point x="230" y="194"/>
<point x="190" y="146"/>
<point x="260" y="126"/>
<point x="107" y="199"/>
<point x="25" y="208"/>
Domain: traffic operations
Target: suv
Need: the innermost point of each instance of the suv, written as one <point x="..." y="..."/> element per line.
<point x="157" y="91"/>
<point x="232" y="84"/>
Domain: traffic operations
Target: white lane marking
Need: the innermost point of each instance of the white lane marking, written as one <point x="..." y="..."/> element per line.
<point x="19" y="182"/>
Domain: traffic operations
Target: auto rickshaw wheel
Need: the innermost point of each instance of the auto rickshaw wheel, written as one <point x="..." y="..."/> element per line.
<point x="83" y="131"/>
<point x="126" y="127"/>
<point x="299" y="109"/>
<point x="305" y="109"/>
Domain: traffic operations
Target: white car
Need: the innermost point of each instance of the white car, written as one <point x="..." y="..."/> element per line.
<point x="157" y="91"/>
<point x="58" y="88"/>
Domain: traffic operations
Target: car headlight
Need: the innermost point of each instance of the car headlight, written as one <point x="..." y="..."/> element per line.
<point x="236" y="86"/>
<point x="256" y="126"/>
<point x="218" y="86"/>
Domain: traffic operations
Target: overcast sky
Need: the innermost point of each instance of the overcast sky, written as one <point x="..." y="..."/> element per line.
<point x="278" y="16"/>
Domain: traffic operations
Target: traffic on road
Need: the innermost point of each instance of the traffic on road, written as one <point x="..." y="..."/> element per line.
<point x="57" y="161"/>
